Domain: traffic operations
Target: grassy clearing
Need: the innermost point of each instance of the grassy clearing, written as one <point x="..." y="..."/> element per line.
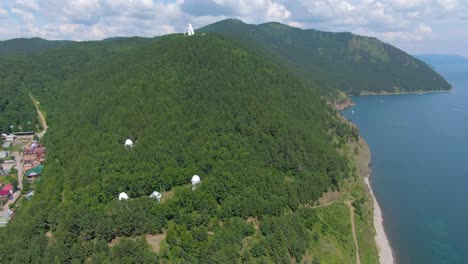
<point x="332" y="237"/>
<point x="333" y="241"/>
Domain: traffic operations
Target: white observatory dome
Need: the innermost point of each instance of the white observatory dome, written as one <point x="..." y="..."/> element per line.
<point x="123" y="196"/>
<point x="195" y="179"/>
<point x="128" y="143"/>
<point x="156" y="195"/>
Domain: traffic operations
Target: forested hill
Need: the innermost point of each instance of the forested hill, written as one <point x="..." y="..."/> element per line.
<point x="265" y="146"/>
<point x="43" y="72"/>
<point x="351" y="63"/>
<point x="27" y="46"/>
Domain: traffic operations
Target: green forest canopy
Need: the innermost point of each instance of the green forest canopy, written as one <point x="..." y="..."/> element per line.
<point x="263" y="143"/>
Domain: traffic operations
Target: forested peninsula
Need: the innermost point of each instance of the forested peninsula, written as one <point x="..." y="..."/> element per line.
<point x="281" y="171"/>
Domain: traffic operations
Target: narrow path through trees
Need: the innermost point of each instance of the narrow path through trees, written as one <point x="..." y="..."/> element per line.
<point x="41" y="118"/>
<point x="353" y="226"/>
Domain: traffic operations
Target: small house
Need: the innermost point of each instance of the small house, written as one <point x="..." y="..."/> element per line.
<point x="9" y="138"/>
<point x="6" y="192"/>
<point x="29" y="154"/>
<point x="34" y="173"/>
<point x="4" y="195"/>
<point x="4" y="154"/>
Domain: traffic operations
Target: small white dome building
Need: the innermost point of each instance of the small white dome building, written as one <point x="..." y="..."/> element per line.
<point x="156" y="195"/>
<point x="128" y="143"/>
<point x="123" y="196"/>
<point x="195" y="181"/>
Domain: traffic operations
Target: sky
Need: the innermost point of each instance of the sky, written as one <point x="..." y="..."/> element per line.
<point x="416" y="26"/>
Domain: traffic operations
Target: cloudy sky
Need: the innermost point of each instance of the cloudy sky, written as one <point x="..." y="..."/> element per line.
<point x="417" y="26"/>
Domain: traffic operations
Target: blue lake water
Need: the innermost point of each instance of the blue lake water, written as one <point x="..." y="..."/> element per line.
<point x="419" y="146"/>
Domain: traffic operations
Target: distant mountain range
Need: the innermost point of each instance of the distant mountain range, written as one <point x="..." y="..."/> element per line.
<point x="29" y="45"/>
<point x="442" y="60"/>
<point x="353" y="64"/>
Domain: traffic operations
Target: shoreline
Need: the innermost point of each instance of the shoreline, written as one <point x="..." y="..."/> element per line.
<point x="385" y="251"/>
<point x="403" y="93"/>
<point x="381" y="239"/>
<point x="350" y="103"/>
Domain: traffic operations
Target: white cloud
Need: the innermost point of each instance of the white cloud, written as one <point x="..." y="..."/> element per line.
<point x="401" y="21"/>
<point x="28" y="5"/>
<point x="3" y="13"/>
<point x="448" y="4"/>
<point x="25" y="15"/>
<point x="424" y="29"/>
<point x="276" y="12"/>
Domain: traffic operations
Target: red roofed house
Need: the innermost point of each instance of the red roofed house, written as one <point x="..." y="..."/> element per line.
<point x="5" y="192"/>
<point x="7" y="187"/>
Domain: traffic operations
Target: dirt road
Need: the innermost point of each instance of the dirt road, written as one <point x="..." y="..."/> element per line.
<point x="41" y="118"/>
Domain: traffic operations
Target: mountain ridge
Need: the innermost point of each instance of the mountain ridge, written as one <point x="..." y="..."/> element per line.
<point x="351" y="63"/>
<point x="18" y="46"/>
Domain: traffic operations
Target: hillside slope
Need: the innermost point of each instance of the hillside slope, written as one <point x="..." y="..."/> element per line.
<point x="43" y="73"/>
<point x="263" y="143"/>
<point x="354" y="64"/>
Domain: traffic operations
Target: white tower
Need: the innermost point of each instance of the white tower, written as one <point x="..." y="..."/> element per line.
<point x="195" y="181"/>
<point x="190" y="30"/>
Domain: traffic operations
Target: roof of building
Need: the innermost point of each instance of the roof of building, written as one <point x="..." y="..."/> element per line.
<point x="28" y="162"/>
<point x="29" y="151"/>
<point x="4" y="193"/>
<point x="7" y="187"/>
<point x="35" y="171"/>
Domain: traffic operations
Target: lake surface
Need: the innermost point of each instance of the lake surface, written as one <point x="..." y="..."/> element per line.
<point x="419" y="146"/>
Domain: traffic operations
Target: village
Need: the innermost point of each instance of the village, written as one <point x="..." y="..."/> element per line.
<point x="21" y="166"/>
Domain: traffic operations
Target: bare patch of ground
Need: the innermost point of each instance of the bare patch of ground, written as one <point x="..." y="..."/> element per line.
<point x="166" y="196"/>
<point x="328" y="197"/>
<point x="254" y="221"/>
<point x="155" y="241"/>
